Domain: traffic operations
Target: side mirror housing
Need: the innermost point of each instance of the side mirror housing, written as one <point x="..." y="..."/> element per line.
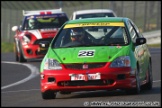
<point x="14" y="28"/>
<point x="140" y="41"/>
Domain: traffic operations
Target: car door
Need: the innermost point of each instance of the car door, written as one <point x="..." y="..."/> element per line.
<point x="146" y="53"/>
<point x="139" y="50"/>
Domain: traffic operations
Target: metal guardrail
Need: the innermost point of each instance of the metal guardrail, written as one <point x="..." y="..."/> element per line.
<point x="153" y="37"/>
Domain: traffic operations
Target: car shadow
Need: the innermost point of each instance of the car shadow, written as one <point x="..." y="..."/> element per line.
<point x="35" y="60"/>
<point x="105" y="93"/>
<point x="92" y="94"/>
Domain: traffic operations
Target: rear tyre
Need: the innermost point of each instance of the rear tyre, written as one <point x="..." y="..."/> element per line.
<point x="49" y="95"/>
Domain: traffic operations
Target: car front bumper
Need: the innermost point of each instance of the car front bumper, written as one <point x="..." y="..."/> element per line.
<point x="111" y="79"/>
<point x="33" y="51"/>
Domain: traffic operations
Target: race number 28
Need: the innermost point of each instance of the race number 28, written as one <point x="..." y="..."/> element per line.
<point x="86" y="53"/>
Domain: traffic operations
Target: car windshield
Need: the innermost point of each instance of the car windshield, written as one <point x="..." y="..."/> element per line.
<point x="44" y="21"/>
<point x="90" y="36"/>
<point x="93" y="15"/>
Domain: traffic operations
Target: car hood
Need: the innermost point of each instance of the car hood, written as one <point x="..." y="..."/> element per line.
<point x="88" y="54"/>
<point x="43" y="33"/>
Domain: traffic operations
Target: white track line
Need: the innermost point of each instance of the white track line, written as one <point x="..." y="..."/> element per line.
<point x="157" y="81"/>
<point x="34" y="73"/>
<point x="21" y="91"/>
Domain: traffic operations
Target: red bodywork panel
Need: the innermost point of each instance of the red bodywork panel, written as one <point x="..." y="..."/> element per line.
<point x="60" y="80"/>
<point x="31" y="49"/>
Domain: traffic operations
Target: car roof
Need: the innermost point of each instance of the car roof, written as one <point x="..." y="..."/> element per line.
<point x="93" y="11"/>
<point x="39" y="12"/>
<point x="101" y="19"/>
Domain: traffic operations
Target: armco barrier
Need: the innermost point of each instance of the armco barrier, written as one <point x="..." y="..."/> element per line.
<point x="153" y="37"/>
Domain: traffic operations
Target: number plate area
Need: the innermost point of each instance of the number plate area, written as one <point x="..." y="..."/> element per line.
<point x="85" y="77"/>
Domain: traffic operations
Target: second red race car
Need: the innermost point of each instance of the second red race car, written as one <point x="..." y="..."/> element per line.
<point x="39" y="26"/>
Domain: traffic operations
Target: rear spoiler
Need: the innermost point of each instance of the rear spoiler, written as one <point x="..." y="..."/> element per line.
<point x="38" y="12"/>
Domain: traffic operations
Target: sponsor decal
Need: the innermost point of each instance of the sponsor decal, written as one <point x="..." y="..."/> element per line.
<point x="85" y="77"/>
<point x="86" y="53"/>
<point x="120" y="24"/>
<point x="49" y="29"/>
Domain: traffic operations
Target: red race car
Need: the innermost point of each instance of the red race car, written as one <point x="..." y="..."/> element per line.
<point x="39" y="26"/>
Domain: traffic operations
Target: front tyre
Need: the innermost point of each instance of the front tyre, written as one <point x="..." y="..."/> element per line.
<point x="21" y="56"/>
<point x="137" y="89"/>
<point x="148" y="85"/>
<point x="49" y="95"/>
<point x="16" y="52"/>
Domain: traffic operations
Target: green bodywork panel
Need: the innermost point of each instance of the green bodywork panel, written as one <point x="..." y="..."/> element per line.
<point x="101" y="54"/>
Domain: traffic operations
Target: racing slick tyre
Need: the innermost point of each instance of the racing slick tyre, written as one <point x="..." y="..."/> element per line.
<point x="138" y="86"/>
<point x="148" y="85"/>
<point x="49" y="95"/>
<point x="21" y="56"/>
<point x="65" y="92"/>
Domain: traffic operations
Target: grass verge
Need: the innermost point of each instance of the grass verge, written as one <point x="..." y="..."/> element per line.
<point x="154" y="45"/>
<point x="7" y="47"/>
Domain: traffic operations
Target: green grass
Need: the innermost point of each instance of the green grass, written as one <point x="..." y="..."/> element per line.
<point x="9" y="47"/>
<point x="154" y="45"/>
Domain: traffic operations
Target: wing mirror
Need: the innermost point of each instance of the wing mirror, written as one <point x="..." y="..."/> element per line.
<point x="140" y="41"/>
<point x="14" y="28"/>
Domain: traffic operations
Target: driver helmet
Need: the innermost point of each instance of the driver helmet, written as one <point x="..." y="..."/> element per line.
<point x="32" y="23"/>
<point x="76" y="33"/>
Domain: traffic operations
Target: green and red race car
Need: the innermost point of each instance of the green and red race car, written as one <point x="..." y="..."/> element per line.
<point x="96" y="54"/>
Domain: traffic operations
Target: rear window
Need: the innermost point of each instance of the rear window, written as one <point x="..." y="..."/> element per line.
<point x="93" y="15"/>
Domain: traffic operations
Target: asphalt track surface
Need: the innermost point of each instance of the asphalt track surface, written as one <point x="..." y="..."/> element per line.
<point x="20" y="87"/>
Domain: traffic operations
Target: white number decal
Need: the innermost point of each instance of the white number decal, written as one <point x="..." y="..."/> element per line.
<point x="86" y="53"/>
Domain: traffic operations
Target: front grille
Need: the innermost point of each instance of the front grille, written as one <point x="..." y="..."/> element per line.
<point x="81" y="66"/>
<point x="86" y="83"/>
<point x="37" y="42"/>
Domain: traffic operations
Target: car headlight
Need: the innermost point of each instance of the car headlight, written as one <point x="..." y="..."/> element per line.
<point x="123" y="61"/>
<point x="26" y="38"/>
<point x="52" y="64"/>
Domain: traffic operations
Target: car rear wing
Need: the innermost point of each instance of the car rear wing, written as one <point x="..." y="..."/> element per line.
<point x="39" y="12"/>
